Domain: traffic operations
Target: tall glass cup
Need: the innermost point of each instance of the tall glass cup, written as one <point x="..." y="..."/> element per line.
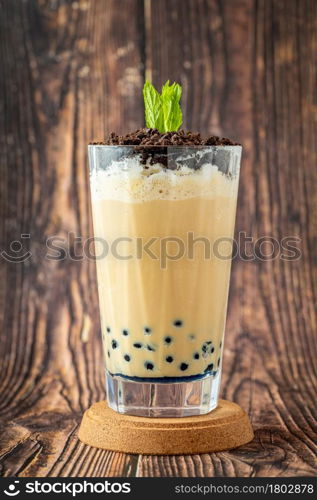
<point x="163" y="224"/>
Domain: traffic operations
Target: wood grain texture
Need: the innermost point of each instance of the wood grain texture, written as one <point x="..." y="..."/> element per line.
<point x="72" y="70"/>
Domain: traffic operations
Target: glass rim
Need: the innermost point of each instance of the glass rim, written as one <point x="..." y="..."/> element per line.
<point x="140" y="147"/>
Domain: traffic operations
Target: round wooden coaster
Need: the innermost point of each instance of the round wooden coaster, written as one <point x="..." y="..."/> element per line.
<point x="226" y="427"/>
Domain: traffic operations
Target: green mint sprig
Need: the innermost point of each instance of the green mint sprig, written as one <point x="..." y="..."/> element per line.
<point x="163" y="111"/>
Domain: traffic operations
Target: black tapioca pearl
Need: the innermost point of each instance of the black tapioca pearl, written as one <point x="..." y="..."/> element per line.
<point x="108" y="352"/>
<point x="150" y="348"/>
<point x="108" y="329"/>
<point x="212" y="350"/>
<point x="127" y="357"/>
<point x="137" y="345"/>
<point x="196" y="355"/>
<point x="147" y="330"/>
<point x="178" y="323"/>
<point x="207" y="348"/>
<point x="114" y="344"/>
<point x="169" y="359"/>
<point x="148" y="365"/>
<point x="125" y="332"/>
<point x="209" y="367"/>
<point x="183" y="367"/>
<point x="218" y="362"/>
<point x="168" y="340"/>
<point x="220" y="345"/>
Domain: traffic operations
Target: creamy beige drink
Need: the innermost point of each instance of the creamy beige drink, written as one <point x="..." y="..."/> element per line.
<point x="163" y="285"/>
<point x="163" y="202"/>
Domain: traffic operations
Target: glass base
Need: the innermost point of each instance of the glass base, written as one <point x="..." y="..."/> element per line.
<point x="154" y="399"/>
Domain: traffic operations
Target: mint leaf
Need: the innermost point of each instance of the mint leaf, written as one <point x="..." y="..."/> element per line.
<point x="163" y="111"/>
<point x="153" y="107"/>
<point x="172" y="113"/>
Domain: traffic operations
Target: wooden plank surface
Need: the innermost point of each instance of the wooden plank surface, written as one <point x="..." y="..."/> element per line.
<point x="72" y="70"/>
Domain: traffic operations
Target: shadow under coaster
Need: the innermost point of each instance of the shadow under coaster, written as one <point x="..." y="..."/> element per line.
<point x="226" y="427"/>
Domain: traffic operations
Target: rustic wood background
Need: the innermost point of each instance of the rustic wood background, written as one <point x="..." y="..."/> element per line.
<point x="71" y="70"/>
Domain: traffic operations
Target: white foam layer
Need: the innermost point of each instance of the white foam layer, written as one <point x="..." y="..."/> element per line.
<point x="129" y="181"/>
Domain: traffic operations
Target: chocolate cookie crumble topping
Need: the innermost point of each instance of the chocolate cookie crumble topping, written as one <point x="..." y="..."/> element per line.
<point x="152" y="145"/>
<point x="152" y="137"/>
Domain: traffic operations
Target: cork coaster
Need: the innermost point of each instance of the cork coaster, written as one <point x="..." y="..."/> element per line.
<point x="226" y="427"/>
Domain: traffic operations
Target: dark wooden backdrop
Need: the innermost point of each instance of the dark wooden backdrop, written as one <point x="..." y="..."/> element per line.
<point x="72" y="70"/>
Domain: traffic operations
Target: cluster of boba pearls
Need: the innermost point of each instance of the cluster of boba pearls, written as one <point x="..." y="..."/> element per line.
<point x="206" y="350"/>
